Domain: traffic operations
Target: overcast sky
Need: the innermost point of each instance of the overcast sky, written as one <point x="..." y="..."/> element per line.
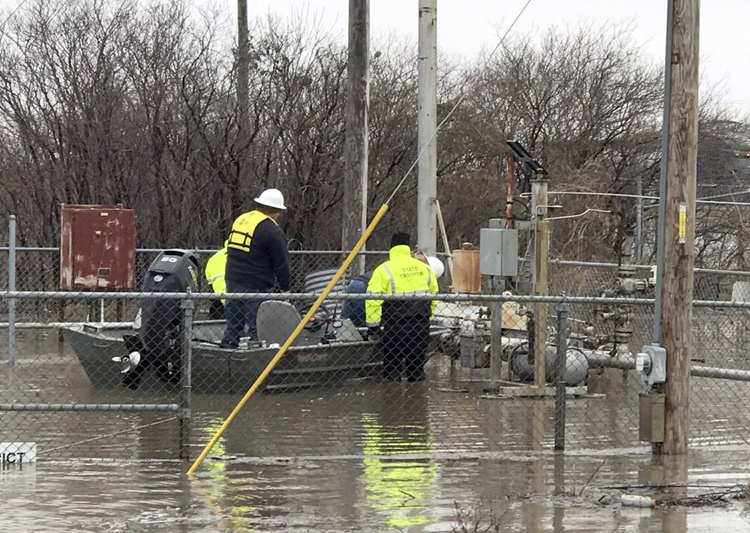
<point x="465" y="27"/>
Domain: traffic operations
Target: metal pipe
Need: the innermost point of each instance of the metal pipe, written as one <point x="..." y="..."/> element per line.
<point x="475" y="298"/>
<point x="663" y="175"/>
<point x="720" y="373"/>
<point x="11" y="288"/>
<point x="560" y="363"/>
<point x="599" y="359"/>
<point x="88" y="407"/>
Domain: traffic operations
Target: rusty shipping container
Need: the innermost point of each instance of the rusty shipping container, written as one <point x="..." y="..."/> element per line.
<point x="97" y="247"/>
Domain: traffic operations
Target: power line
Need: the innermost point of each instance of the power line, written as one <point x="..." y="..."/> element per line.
<point x="706" y="200"/>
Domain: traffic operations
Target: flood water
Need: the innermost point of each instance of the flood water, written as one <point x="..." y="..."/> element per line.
<point x="524" y="493"/>
<point x="422" y="457"/>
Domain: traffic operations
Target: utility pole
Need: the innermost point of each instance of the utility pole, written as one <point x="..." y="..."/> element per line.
<point x="510" y="178"/>
<point x="356" y="136"/>
<point x="539" y="206"/>
<point x="679" y="220"/>
<point x="242" y="92"/>
<point x="427" y="126"/>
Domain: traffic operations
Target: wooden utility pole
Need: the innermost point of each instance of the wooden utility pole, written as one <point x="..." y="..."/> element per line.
<point x="356" y="137"/>
<point x="679" y="221"/>
<point x="242" y="93"/>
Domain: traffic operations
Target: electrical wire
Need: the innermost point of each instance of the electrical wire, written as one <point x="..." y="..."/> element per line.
<point x="620" y="195"/>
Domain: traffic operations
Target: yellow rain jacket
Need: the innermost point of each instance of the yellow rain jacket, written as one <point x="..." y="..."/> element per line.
<point x="401" y="274"/>
<point x="215" y="268"/>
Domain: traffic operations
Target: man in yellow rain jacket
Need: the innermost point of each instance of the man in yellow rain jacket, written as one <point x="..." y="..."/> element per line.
<point x="405" y="323"/>
<point x="215" y="268"/>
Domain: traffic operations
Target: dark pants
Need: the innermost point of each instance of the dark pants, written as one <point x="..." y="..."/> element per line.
<point x="355" y="309"/>
<point x="404" y="345"/>
<point x="216" y="310"/>
<point x="240" y="313"/>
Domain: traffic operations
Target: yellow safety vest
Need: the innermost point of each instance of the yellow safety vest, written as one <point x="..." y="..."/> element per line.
<point x="243" y="229"/>
<point x="215" y="268"/>
<point x="400" y="274"/>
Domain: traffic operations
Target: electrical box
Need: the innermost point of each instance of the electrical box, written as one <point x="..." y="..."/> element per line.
<point x="97" y="247"/>
<point x="651" y="417"/>
<point x="466" y="278"/>
<point x="651" y="364"/>
<point x="498" y="252"/>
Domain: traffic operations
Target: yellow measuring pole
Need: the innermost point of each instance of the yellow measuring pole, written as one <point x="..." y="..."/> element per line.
<point x="290" y="340"/>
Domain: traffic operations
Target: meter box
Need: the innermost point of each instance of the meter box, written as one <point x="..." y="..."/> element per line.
<point x="97" y="247"/>
<point x="651" y="364"/>
<point x="498" y="252"/>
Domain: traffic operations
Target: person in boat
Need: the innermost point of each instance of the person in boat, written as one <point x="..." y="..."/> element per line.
<point x="354" y="310"/>
<point x="405" y="323"/>
<point x="214" y="271"/>
<point x="257" y="262"/>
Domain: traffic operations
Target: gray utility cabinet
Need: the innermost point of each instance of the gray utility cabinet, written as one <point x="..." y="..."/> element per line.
<point x="498" y="252"/>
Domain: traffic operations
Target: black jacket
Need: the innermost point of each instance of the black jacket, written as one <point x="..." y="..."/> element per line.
<point x="266" y="266"/>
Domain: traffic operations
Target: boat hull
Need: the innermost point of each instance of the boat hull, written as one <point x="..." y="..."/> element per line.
<point x="226" y="371"/>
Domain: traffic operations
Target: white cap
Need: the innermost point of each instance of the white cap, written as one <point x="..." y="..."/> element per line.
<point x="437" y="265"/>
<point x="271" y="198"/>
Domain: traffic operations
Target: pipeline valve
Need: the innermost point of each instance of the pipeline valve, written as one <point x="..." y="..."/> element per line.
<point x="651" y="364"/>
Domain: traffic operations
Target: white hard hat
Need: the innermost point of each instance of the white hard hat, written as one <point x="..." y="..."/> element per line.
<point x="437" y="265"/>
<point x="271" y="198"/>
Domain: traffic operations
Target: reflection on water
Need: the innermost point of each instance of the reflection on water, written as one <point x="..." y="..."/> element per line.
<point x="385" y="490"/>
<point x="400" y="489"/>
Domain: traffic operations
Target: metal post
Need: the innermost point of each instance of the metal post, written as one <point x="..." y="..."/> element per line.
<point x="663" y="175"/>
<point x="496" y="339"/>
<point x="186" y="372"/>
<point x="12" y="287"/>
<point x="639" y="221"/>
<point x="426" y="128"/>
<point x="560" y="364"/>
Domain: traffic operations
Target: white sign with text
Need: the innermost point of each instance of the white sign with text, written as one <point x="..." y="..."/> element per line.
<point x="17" y="453"/>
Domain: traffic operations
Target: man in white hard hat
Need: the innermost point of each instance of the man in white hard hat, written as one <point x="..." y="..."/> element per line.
<point x="257" y="261"/>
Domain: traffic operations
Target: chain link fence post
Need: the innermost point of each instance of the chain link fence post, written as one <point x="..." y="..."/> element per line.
<point x="186" y="371"/>
<point x="11" y="288"/>
<point x="560" y="364"/>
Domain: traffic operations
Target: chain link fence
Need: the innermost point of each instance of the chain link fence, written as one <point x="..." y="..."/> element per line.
<point x="72" y="384"/>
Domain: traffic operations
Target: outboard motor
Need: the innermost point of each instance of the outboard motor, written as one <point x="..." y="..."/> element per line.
<point x="159" y="343"/>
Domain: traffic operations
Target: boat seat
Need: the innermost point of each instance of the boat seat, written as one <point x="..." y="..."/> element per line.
<point x="277" y="320"/>
<point x="315" y="282"/>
